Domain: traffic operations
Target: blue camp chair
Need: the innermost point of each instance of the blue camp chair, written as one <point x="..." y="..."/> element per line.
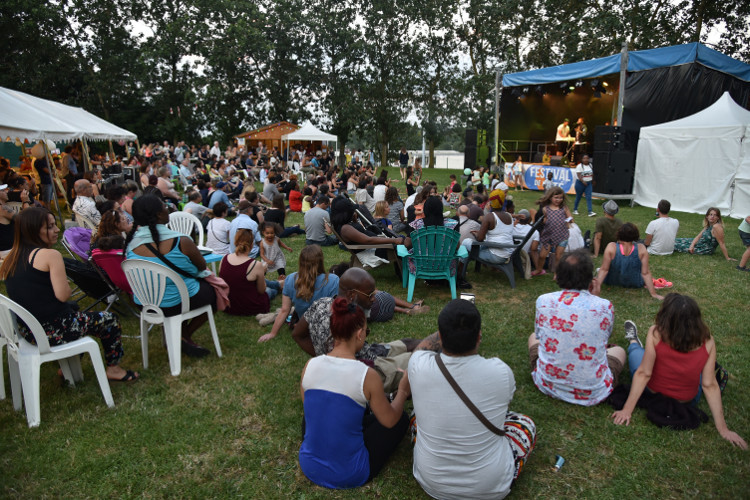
<point x="434" y="255"/>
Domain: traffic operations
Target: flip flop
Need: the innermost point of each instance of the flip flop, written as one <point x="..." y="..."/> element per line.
<point x="418" y="303"/>
<point x="129" y="376"/>
<point x="418" y="309"/>
<point x="539" y="273"/>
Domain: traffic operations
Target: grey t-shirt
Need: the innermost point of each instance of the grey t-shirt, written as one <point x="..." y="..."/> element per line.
<point x="195" y="208"/>
<point x="315" y="219"/>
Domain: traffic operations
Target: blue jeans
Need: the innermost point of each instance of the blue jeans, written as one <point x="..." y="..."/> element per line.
<point x="272" y="289"/>
<point x="290" y="231"/>
<point x="583" y="189"/>
<point x="635" y="356"/>
<point x="327" y="242"/>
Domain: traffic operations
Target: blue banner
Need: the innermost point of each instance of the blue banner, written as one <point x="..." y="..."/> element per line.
<point x="534" y="176"/>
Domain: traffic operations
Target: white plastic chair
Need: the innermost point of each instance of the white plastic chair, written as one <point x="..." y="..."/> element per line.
<point x="25" y="359"/>
<point x="84" y="221"/>
<point x="149" y="281"/>
<point x="187" y="224"/>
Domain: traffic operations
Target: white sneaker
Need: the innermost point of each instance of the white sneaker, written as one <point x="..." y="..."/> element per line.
<point x="631" y="333"/>
<point x="591" y="214"/>
<point x="575" y="212"/>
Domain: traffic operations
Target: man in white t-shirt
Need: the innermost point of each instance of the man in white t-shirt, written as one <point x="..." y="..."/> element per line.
<point x="455" y="454"/>
<point x="661" y="233"/>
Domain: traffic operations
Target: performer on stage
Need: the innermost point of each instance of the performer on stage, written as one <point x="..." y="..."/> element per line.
<point x="563" y="137"/>
<point x="581" y="146"/>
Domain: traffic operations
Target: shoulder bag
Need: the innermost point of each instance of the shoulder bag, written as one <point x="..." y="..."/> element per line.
<point x="465" y="398"/>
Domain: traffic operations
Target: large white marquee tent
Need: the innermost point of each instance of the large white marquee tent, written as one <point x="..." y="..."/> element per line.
<point x="23" y="116"/>
<point x="308" y="132"/>
<point x="697" y="162"/>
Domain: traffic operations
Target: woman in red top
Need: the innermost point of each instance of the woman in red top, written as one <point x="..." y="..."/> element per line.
<point x="295" y="198"/>
<point x="679" y="357"/>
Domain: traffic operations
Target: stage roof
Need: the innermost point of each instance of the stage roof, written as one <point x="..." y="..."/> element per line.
<point x="638" y="60"/>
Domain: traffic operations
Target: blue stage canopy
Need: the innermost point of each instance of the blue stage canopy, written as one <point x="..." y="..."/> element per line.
<point x="638" y="60"/>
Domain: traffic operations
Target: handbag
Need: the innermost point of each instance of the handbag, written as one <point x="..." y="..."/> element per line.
<point x="461" y="394"/>
<point x="221" y="288"/>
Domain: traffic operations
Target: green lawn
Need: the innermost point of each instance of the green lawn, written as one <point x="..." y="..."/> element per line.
<point x="231" y="426"/>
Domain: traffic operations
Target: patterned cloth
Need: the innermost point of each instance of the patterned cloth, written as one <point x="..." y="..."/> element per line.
<point x="573" y="327"/>
<point x="705" y="246"/>
<point x="555" y="229"/>
<point x="70" y="327"/>
<point x="383" y="307"/>
<point x="318" y="317"/>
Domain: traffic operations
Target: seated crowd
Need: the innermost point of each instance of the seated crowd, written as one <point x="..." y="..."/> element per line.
<point x="354" y="391"/>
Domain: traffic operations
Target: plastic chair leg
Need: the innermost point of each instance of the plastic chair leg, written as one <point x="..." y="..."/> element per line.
<point x="144" y="343"/>
<point x="510" y="273"/>
<point x="15" y="383"/>
<point x="410" y="292"/>
<point x="2" y="374"/>
<point x="452" y="281"/>
<point x="214" y="333"/>
<point x="173" y="339"/>
<point x="75" y="367"/>
<point x="29" y="372"/>
<point x="101" y="375"/>
<point x="404" y="272"/>
<point x="67" y="371"/>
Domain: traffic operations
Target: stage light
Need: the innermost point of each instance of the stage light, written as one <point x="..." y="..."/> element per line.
<point x="571" y="87"/>
<point x="564" y="85"/>
<point x="526" y="90"/>
<point x="579" y="83"/>
<point x="605" y="84"/>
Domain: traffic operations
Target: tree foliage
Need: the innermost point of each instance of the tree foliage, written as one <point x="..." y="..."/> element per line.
<point x="186" y="69"/>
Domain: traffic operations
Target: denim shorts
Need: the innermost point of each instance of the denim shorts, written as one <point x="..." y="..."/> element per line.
<point x="745" y="237"/>
<point x="47" y="191"/>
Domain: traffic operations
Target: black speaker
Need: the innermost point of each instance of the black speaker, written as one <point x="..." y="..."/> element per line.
<point x="471" y="138"/>
<point x="613" y="172"/>
<point x="470" y="157"/>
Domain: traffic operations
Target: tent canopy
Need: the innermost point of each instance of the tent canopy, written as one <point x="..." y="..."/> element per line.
<point x="308" y="132"/>
<point x="23" y="116"/>
<point x="697" y="162"/>
<point x="638" y="60"/>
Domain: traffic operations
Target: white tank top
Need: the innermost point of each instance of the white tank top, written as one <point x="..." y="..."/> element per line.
<point x="503" y="233"/>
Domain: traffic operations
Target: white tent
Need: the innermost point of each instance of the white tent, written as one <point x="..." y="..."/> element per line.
<point x="308" y="132"/>
<point x="23" y="116"/>
<point x="697" y="162"/>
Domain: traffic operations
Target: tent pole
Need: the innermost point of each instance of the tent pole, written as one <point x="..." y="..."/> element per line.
<point x="85" y="153"/>
<point x="111" y="151"/>
<point x="55" y="180"/>
<point x="498" y="89"/>
<point x="621" y="93"/>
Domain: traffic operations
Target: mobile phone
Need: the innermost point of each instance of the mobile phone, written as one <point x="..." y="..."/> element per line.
<point x="468" y="296"/>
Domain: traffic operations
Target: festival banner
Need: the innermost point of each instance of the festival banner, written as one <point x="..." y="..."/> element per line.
<point x="534" y="176"/>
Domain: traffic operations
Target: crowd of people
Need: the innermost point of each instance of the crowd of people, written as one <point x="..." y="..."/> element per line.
<point x="353" y="391"/>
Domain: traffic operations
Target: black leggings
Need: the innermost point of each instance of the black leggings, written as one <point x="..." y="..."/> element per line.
<point x="381" y="441"/>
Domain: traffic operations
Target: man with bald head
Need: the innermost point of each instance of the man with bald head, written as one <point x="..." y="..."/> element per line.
<point x="313" y="330"/>
<point x="466" y="226"/>
<point x="85" y="204"/>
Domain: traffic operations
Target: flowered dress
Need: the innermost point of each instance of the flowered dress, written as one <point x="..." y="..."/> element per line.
<point x="555" y="228"/>
<point x="706" y="244"/>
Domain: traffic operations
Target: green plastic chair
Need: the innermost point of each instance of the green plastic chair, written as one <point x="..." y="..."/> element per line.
<point x="434" y="249"/>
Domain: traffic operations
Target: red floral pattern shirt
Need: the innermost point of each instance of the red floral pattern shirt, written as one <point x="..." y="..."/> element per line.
<point x="573" y="327"/>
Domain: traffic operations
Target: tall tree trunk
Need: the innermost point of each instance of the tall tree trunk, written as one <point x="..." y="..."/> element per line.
<point x="432" y="153"/>
<point x="699" y="25"/>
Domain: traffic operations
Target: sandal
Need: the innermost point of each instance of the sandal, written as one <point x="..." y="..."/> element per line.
<point x="418" y="309"/>
<point x="418" y="303"/>
<point x="540" y="272"/>
<point x="130" y="376"/>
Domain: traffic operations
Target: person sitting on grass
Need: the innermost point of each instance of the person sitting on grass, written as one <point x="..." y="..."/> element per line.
<point x="708" y="239"/>
<point x="626" y="263"/>
<point x="455" y="454"/>
<point x="313" y="331"/>
<point x="310" y="283"/>
<point x="744" y="231"/>
<point x="249" y="291"/>
<point x="678" y="360"/>
<point x="568" y="350"/>
<point x="606" y="227"/>
<point x="345" y="445"/>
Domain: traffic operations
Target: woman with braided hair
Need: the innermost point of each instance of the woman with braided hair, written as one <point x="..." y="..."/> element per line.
<point x="151" y="240"/>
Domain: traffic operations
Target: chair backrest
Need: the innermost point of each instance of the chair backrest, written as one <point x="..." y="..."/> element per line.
<point x="77" y="240"/>
<point x="434" y="247"/>
<point x="534" y="228"/>
<point x="149" y="280"/>
<point x="9" y="311"/>
<point x="187" y="224"/>
<point x="110" y="262"/>
<point x="85" y="222"/>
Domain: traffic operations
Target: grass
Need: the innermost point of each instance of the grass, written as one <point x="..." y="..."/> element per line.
<point x="231" y="426"/>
